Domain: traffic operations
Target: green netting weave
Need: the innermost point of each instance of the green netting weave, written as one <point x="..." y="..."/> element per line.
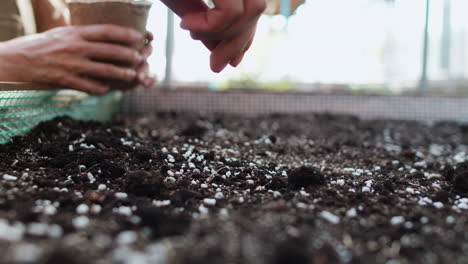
<point x="21" y="111"/>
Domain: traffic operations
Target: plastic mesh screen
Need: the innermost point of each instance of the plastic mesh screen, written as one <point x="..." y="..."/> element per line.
<point x="20" y="111"/>
<point x="420" y="108"/>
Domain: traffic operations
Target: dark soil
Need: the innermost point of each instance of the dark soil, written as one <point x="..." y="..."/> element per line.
<point x="224" y="189"/>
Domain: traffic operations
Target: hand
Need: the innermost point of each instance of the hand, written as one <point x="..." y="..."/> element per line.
<point x="73" y="57"/>
<point x="232" y="23"/>
<point x="144" y="76"/>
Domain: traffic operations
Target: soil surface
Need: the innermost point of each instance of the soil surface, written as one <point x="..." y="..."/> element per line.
<point x="184" y="188"/>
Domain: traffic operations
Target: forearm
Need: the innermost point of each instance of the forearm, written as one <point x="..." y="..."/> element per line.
<point x="49" y="14"/>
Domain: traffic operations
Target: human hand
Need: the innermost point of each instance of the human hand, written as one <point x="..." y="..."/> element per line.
<point x="231" y="24"/>
<point x="144" y="76"/>
<point x="74" y="57"/>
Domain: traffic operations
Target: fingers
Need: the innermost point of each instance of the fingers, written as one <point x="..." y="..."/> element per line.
<point x="83" y="84"/>
<point x="234" y="63"/>
<point x="111" y="33"/>
<point x="216" y="20"/>
<point x="146" y="52"/>
<point x="230" y="52"/>
<point x="144" y="77"/>
<point x="114" y="53"/>
<point x="106" y="71"/>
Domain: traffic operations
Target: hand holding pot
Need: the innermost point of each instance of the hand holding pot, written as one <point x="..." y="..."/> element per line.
<point x="231" y="23"/>
<point x="74" y="56"/>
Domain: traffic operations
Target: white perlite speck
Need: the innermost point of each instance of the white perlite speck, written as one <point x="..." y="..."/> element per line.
<point x="170" y="158"/>
<point x="91" y="177"/>
<point x="351" y="212"/>
<point x="410" y="190"/>
<point x="219" y="195"/>
<point x="8" y="177"/>
<point x="397" y="220"/>
<point x="121" y="195"/>
<point x="330" y="217"/>
<point x="340" y="182"/>
<point x="161" y="203"/>
<point x="450" y="220"/>
<point x="11" y="232"/>
<point x="438" y="205"/>
<point x="127" y="237"/>
<point x="123" y="210"/>
<point x="210" y="202"/>
<point x="80" y="222"/>
<point x="462" y="203"/>
<point x="27" y="253"/>
<point x="82" y="209"/>
<point x="203" y="209"/>
<point x="366" y="189"/>
<point x="96" y="209"/>
<point x="102" y="187"/>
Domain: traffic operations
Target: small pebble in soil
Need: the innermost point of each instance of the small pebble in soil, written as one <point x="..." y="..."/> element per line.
<point x="304" y="177"/>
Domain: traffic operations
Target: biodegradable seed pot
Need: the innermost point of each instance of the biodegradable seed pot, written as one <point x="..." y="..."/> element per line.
<point x="127" y="13"/>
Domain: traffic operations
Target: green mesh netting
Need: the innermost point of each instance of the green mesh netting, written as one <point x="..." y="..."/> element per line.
<point x="21" y="111"/>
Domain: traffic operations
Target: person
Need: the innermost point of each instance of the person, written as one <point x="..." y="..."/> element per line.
<point x="75" y="56"/>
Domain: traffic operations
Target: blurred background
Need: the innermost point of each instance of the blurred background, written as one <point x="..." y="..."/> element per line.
<point x="333" y="46"/>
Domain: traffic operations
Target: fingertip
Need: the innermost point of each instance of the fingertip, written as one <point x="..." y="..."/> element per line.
<point x="217" y="68"/>
<point x="236" y="62"/>
<point x="102" y="90"/>
<point x="136" y="36"/>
